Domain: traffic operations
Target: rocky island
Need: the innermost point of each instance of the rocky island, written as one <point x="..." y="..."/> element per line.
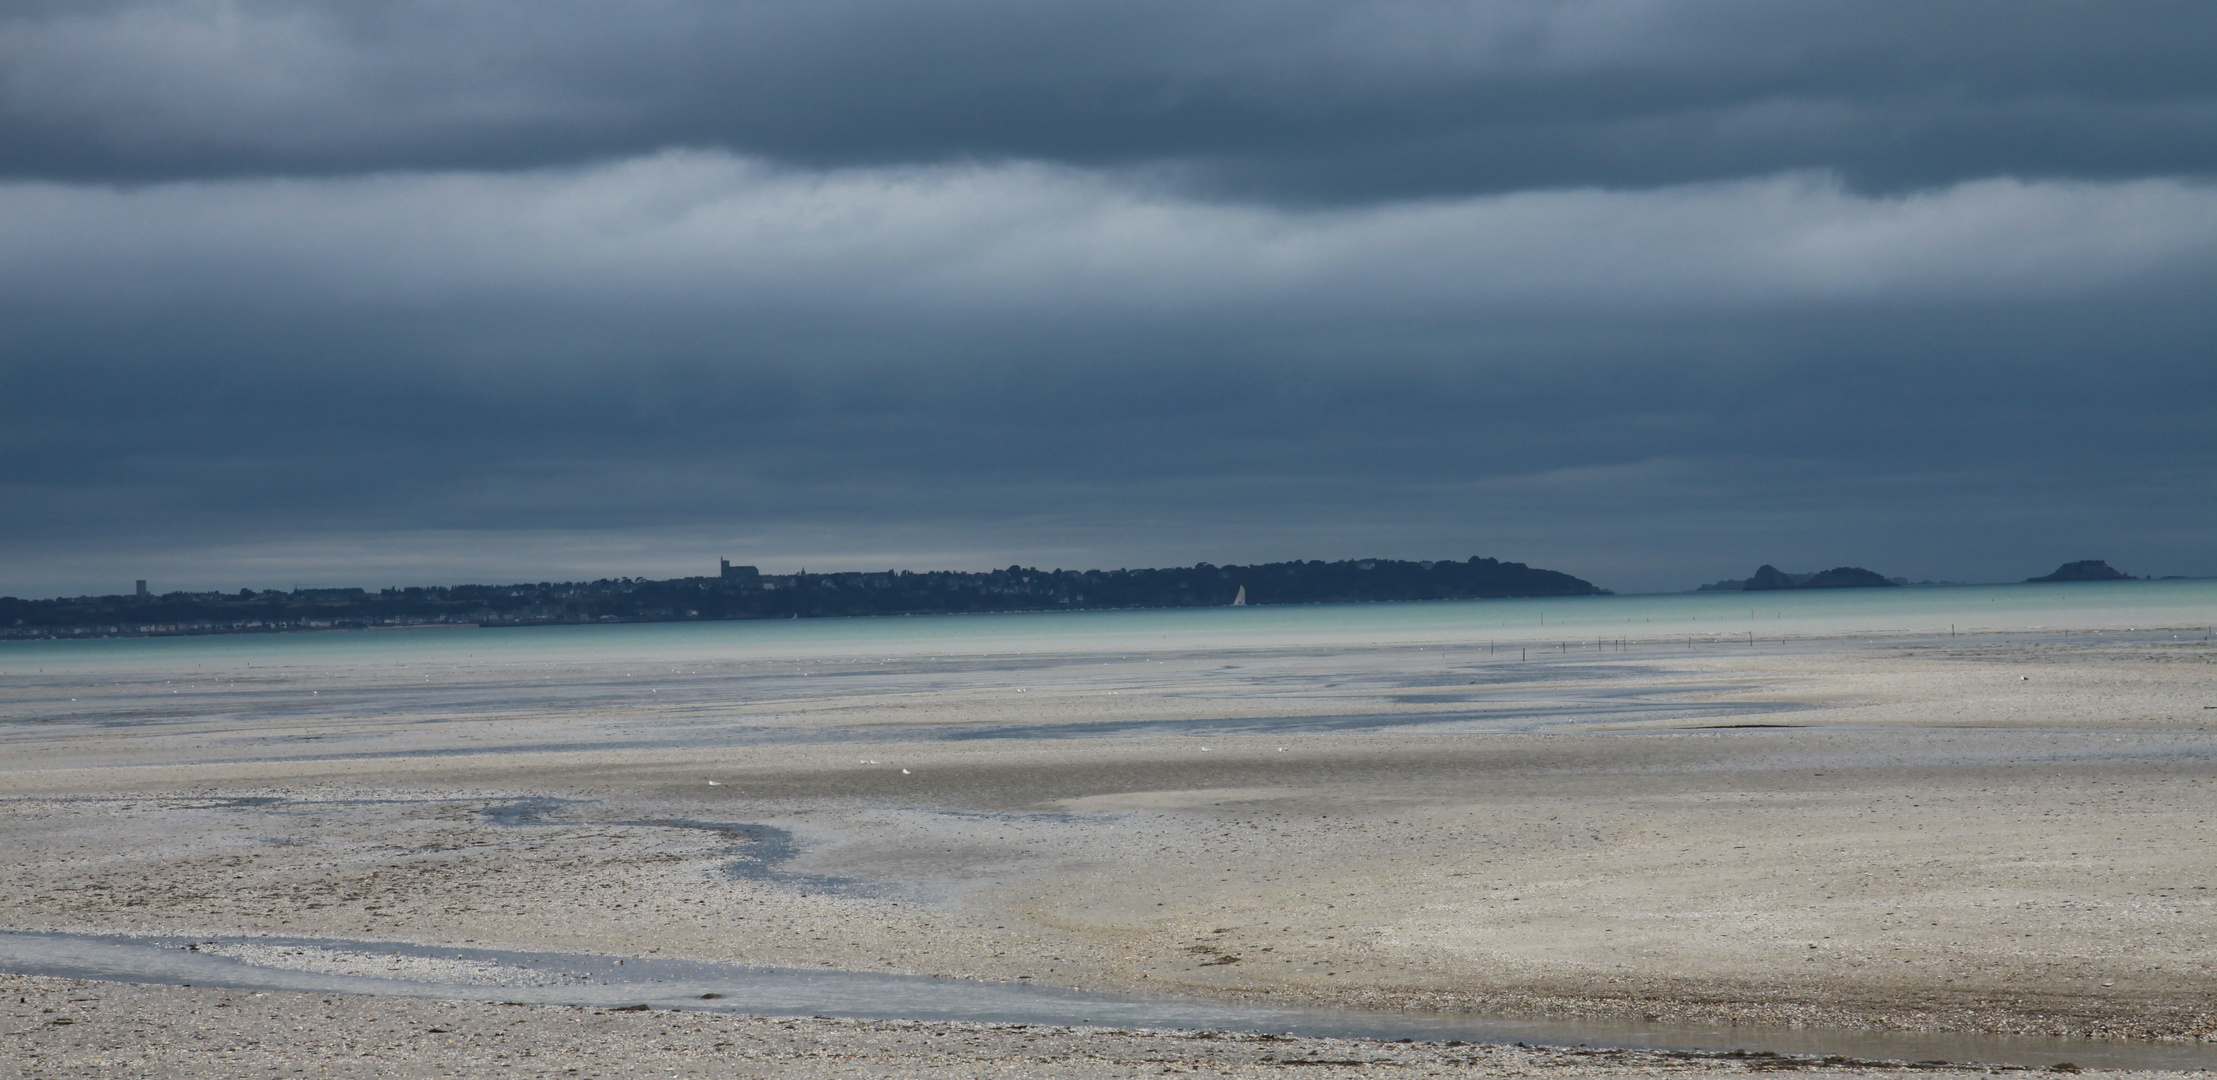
<point x="2084" y="570"/>
<point x="1768" y="577"/>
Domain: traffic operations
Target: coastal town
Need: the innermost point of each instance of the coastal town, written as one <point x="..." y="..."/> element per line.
<point x="744" y="592"/>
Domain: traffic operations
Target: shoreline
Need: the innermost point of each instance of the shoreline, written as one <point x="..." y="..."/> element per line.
<point x="1766" y="603"/>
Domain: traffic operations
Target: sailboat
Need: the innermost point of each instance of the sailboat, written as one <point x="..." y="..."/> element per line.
<point x="1241" y="599"/>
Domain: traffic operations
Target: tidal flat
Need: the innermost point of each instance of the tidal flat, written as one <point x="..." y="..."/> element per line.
<point x="2004" y="833"/>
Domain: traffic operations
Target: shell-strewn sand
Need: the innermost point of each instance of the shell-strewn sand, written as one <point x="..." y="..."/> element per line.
<point x="1936" y="836"/>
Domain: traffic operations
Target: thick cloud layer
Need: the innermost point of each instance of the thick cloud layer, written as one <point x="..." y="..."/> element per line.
<point x="1325" y="100"/>
<point x="1648" y="292"/>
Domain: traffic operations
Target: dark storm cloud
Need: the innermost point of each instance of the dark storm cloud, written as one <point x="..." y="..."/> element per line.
<point x="639" y="366"/>
<point x="1333" y="101"/>
<point x="376" y="292"/>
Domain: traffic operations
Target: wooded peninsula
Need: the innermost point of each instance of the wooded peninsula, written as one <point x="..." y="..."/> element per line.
<point x="740" y="592"/>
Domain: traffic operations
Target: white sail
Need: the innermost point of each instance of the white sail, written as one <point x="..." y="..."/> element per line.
<point x="1241" y="599"/>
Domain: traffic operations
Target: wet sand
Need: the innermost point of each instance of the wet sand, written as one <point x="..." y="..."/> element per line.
<point x="61" y="1028"/>
<point x="1961" y="835"/>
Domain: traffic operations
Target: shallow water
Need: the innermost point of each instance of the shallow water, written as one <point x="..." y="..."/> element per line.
<point x="1464" y="666"/>
<point x="456" y="706"/>
<point x="341" y="966"/>
<point x="2180" y="607"/>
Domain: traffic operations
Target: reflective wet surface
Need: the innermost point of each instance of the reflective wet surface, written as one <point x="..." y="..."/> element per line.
<point x="325" y="965"/>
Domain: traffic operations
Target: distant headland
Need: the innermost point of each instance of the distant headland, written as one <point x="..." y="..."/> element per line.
<point x="743" y="592"/>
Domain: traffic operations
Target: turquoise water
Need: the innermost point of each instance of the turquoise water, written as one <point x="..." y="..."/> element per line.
<point x="2183" y="607"/>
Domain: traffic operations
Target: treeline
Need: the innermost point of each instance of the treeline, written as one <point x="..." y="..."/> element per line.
<point x="780" y="596"/>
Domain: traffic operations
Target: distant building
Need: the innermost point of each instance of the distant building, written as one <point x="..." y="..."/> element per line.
<point x="747" y="574"/>
<point x="142" y="589"/>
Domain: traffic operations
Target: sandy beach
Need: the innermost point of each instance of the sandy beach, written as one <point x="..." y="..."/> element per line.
<point x="1976" y="835"/>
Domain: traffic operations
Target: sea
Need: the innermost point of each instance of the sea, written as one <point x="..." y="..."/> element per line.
<point x="2162" y="610"/>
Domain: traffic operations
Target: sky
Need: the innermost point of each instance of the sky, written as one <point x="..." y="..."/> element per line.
<point x="381" y="292"/>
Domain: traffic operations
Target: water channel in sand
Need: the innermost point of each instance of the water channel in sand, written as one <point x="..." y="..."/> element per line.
<point x="322" y="965"/>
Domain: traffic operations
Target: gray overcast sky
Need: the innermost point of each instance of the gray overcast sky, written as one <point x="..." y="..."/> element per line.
<point x="384" y="292"/>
